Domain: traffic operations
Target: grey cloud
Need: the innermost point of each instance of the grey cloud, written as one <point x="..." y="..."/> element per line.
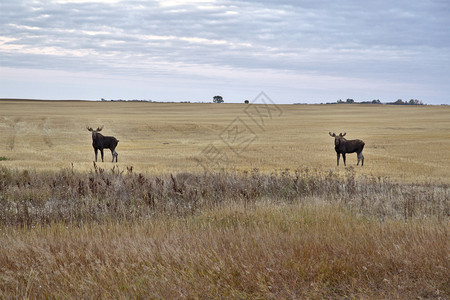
<point x="382" y="39"/>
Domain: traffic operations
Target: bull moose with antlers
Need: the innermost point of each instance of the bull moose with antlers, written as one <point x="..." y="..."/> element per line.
<point x="100" y="142"/>
<point x="343" y="146"/>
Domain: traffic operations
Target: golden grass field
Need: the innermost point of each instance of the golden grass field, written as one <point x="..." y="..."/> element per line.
<point x="267" y="252"/>
<point x="249" y="229"/>
<point x="407" y="143"/>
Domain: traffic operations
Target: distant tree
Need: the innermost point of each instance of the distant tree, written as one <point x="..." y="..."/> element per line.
<point x="246" y="102"/>
<point x="376" y="101"/>
<point x="415" y="102"/>
<point x="399" y="102"/>
<point x="340" y="101"/>
<point x="350" y="101"/>
<point x="218" y="99"/>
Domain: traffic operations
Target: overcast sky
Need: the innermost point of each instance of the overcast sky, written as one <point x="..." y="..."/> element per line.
<point x="295" y="51"/>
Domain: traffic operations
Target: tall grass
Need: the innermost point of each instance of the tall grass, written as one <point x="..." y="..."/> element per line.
<point x="270" y="251"/>
<point x="29" y="198"/>
<point x="288" y="234"/>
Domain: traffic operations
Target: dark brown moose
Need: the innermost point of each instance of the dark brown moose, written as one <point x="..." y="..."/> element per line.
<point x="343" y="146"/>
<point x="100" y="142"/>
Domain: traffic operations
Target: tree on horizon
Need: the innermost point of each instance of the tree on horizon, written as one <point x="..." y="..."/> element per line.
<point x="218" y="99"/>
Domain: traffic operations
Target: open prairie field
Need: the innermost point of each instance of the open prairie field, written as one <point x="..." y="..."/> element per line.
<point x="273" y="218"/>
<point x="405" y="143"/>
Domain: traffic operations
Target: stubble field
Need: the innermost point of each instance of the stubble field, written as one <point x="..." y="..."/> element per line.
<point x="223" y="201"/>
<point x="411" y="144"/>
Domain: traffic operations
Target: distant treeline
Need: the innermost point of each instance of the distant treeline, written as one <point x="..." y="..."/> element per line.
<point x="377" y="101"/>
<point x="142" y="100"/>
<point x="340" y="101"/>
<point x="123" y="100"/>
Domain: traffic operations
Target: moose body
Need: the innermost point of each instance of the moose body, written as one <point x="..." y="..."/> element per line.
<point x="100" y="142"/>
<point x="343" y="146"/>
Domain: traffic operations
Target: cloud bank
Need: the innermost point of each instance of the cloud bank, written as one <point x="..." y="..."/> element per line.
<point x="295" y="51"/>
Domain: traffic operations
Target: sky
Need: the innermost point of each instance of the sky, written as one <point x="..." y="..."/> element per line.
<point x="305" y="51"/>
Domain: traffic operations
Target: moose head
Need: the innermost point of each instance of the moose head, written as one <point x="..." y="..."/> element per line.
<point x="94" y="132"/>
<point x="337" y="138"/>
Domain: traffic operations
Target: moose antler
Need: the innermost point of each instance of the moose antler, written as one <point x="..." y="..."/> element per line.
<point x="333" y="135"/>
<point x="100" y="128"/>
<point x="88" y="128"/>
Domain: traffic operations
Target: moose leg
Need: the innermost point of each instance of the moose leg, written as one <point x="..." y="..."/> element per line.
<point x="95" y="150"/>
<point x="343" y="158"/>
<point x="101" y="152"/>
<point x="114" y="155"/>
<point x="338" y="156"/>
<point x="360" y="158"/>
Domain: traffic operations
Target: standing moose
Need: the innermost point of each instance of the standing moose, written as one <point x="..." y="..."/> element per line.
<point x="100" y="142"/>
<point x="341" y="145"/>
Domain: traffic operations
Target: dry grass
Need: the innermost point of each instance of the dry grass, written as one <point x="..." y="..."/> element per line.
<point x="269" y="251"/>
<point x="113" y="234"/>
<point x="410" y="144"/>
<point x="29" y="198"/>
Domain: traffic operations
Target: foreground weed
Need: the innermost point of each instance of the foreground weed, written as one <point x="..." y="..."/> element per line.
<point x="30" y="198"/>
